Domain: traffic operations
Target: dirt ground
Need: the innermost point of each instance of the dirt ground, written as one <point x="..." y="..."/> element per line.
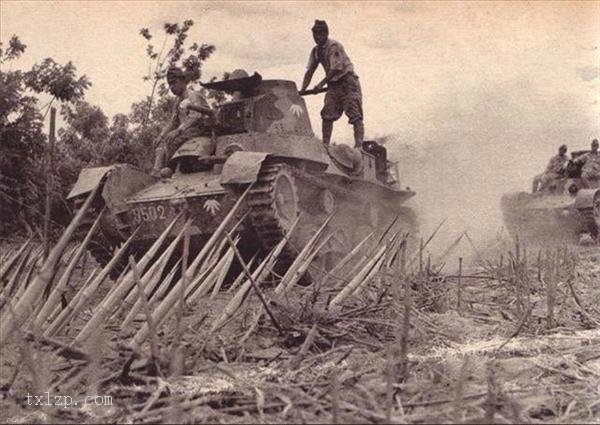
<point x="509" y="340"/>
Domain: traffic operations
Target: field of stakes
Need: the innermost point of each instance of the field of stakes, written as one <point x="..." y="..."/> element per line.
<point x="385" y="336"/>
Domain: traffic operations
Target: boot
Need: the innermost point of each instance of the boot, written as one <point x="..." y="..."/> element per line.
<point x="327" y="130"/>
<point x="359" y="133"/>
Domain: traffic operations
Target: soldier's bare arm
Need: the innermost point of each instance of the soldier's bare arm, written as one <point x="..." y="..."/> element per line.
<point x="321" y="84"/>
<point x="204" y="110"/>
<point x="168" y="129"/>
<point x="310" y="70"/>
<point x="307" y="77"/>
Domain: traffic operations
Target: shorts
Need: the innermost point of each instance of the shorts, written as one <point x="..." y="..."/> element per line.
<point x="342" y="96"/>
<point x="176" y="143"/>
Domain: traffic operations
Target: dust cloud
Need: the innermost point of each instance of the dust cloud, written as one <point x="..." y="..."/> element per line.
<point x="475" y="146"/>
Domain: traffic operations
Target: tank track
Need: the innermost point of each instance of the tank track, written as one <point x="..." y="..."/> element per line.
<point x="590" y="221"/>
<point x="264" y="217"/>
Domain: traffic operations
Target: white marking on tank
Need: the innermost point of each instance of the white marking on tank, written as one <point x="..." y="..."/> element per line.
<point x="212" y="206"/>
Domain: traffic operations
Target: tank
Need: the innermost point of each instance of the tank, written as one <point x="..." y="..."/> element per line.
<point x="563" y="210"/>
<point x="263" y="138"/>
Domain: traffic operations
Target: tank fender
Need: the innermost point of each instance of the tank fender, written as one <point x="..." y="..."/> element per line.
<point x="585" y="198"/>
<point x="88" y="179"/>
<point x="242" y="167"/>
<point x="119" y="180"/>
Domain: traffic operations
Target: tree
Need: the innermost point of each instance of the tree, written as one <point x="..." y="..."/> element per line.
<point x="22" y="141"/>
<point x="172" y="51"/>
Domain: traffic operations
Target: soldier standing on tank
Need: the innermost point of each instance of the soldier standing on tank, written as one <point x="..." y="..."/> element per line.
<point x="186" y="120"/>
<point x="554" y="169"/>
<point x="590" y="173"/>
<point x="343" y="88"/>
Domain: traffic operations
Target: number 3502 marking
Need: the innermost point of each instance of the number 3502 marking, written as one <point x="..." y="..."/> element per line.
<point x="149" y="213"/>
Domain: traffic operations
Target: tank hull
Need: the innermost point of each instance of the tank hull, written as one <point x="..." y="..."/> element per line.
<point x="359" y="207"/>
<point x="545" y="218"/>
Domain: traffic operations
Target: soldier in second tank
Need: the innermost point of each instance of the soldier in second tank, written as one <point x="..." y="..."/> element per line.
<point x="554" y="170"/>
<point x="590" y="173"/>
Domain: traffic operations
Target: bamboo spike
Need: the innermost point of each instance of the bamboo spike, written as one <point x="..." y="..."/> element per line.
<point x="81" y="297"/>
<point x="11" y="261"/>
<point x="206" y="270"/>
<point x="26" y="304"/>
<point x="300" y="258"/>
<point x="164" y="285"/>
<point x="144" y="301"/>
<point x="7" y="295"/>
<point x="237" y="300"/>
<point x="369" y="276"/>
<point x="451" y="247"/>
<point x="356" y="281"/>
<point x="360" y="264"/>
<point x="32" y="267"/>
<point x="199" y="280"/>
<point x="150" y="279"/>
<point x="69" y="311"/>
<point x="302" y="267"/>
<point x="107" y="305"/>
<point x="162" y="310"/>
<point x="429" y="239"/>
<point x="240" y="277"/>
<point x="264" y="268"/>
<point x="259" y="274"/>
<point x="350" y="255"/>
<point x="387" y="230"/>
<point x="23" y="262"/>
<point x="132" y="303"/>
<point x="211" y="278"/>
<point x="222" y="275"/>
<point x="59" y="289"/>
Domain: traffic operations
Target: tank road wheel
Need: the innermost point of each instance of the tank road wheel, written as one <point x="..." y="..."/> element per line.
<point x="273" y="208"/>
<point x="286" y="198"/>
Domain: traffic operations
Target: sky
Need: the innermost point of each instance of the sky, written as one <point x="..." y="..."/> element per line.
<point x="489" y="88"/>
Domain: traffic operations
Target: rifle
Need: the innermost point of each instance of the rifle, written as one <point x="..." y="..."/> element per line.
<point x="312" y="91"/>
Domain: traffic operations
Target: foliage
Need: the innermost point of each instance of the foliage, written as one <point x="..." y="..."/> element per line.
<point x="87" y="137"/>
<point x="22" y="141"/>
<point x="175" y="35"/>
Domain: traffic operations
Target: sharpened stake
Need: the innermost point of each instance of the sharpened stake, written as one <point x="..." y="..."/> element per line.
<point x="254" y="286"/>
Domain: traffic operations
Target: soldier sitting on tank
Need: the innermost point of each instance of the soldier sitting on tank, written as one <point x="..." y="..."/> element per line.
<point x="343" y="88"/>
<point x="186" y="121"/>
<point x="590" y="173"/>
<point x="554" y="170"/>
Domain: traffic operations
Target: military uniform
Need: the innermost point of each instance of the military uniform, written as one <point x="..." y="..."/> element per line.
<point x="591" y="166"/>
<point x="344" y="93"/>
<point x="554" y="170"/>
<point x="191" y="121"/>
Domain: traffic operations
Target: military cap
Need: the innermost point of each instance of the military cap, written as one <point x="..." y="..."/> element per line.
<point x="175" y="73"/>
<point x="320" y="26"/>
<point x="238" y="73"/>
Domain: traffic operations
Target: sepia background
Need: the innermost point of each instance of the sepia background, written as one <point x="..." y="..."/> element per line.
<point x="472" y="97"/>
